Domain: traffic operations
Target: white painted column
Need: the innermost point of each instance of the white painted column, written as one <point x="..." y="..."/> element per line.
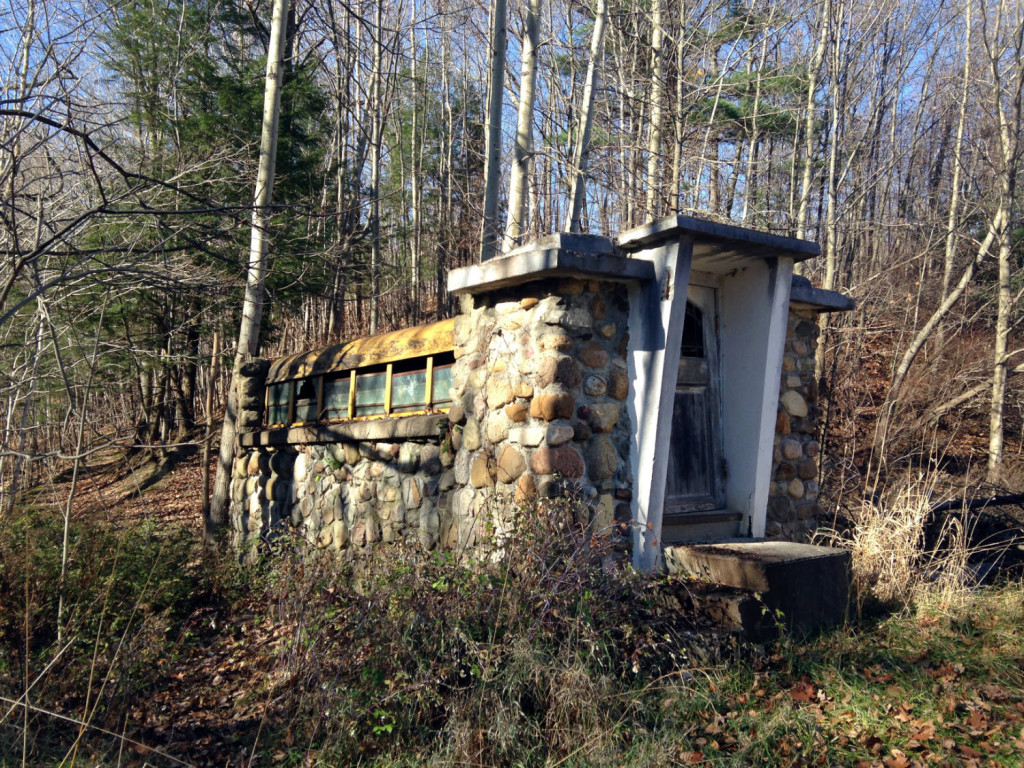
<point x="754" y="314"/>
<point x="656" y="312"/>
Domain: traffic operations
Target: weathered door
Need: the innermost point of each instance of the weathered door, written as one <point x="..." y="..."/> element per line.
<point x="695" y="482"/>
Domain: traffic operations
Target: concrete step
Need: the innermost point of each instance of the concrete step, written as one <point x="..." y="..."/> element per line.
<point x="806" y="586"/>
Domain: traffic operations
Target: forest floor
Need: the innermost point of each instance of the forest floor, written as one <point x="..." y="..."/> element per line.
<point x="171" y="657"/>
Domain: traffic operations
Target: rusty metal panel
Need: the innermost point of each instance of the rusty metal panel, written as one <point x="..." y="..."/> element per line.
<point x="373" y="350"/>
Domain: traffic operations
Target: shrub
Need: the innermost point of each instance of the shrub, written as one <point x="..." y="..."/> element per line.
<point x="511" y="658"/>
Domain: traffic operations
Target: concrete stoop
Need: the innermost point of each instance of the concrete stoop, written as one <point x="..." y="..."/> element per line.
<point x="806" y="587"/>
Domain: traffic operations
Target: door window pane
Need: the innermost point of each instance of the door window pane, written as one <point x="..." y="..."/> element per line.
<point x="693" y="332"/>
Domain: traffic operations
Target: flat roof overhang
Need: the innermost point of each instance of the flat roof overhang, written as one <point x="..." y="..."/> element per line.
<point x="590" y="257"/>
<point x="717" y="248"/>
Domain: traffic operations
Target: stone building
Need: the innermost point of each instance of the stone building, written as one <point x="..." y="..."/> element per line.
<point x="666" y="380"/>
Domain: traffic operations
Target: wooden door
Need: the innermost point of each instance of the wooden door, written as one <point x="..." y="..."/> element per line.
<point x="695" y="482"/>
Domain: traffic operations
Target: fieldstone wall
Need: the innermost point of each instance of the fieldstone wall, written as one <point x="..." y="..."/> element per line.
<point x="539" y="406"/>
<point x="793" y="501"/>
<point x="342" y="495"/>
<point x="538" y="411"/>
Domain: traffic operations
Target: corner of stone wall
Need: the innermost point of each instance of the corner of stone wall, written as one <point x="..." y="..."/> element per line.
<point x="792" y="502"/>
<point x="246" y="510"/>
<point x="538" y="407"/>
<point x="251" y="386"/>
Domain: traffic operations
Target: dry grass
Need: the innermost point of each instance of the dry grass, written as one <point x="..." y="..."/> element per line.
<point x="895" y="560"/>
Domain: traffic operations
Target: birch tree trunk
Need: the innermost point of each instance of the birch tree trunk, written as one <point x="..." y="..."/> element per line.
<point x="958" y="149"/>
<point x="375" y="148"/>
<point x="581" y="149"/>
<point x="416" y="161"/>
<point x="492" y="160"/>
<point x="807" y="160"/>
<point x="252" y="305"/>
<point x="654" y="137"/>
<point x="522" y="153"/>
<point x="1007" y="69"/>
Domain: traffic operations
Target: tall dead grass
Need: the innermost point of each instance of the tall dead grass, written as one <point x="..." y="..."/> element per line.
<point x="900" y="555"/>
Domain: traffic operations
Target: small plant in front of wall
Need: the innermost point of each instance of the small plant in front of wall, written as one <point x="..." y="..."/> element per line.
<point x="446" y="430"/>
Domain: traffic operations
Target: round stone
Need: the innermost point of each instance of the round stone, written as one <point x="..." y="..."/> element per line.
<point x="499" y="392"/>
<point x="794" y="404"/>
<point x="480" y="471"/>
<point x="511" y="464"/>
<point x="455" y="415"/>
<point x="551" y="407"/>
<point x="563" y="460"/>
<point x="300" y="467"/>
<point x="602" y="459"/>
<point x="595" y="386"/>
<point x="785" y="472"/>
<point x="602" y="417"/>
<point x="526" y="489"/>
<point x="791" y="449"/>
<point x="339" y="534"/>
<point x="559" y="370"/>
<point x="808" y="470"/>
<point x="528" y="436"/>
<point x="497" y="428"/>
<point x="782" y="425"/>
<point x="517" y="412"/>
<point x="570" y="286"/>
<point x="558" y="434"/>
<point x="594" y="356"/>
<point x="618" y="385"/>
<point x="281" y="463"/>
<point x="556" y="342"/>
<point x="524" y="390"/>
<point x="471" y="435"/>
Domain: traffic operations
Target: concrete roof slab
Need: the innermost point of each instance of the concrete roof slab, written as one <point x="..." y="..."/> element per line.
<point x="558" y="255"/>
<point x="717" y="247"/>
<point x="806" y="295"/>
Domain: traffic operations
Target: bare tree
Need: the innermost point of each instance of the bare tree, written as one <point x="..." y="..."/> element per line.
<point x="522" y="153"/>
<point x="1003" y="40"/>
<point x="581" y="145"/>
<point x="492" y="157"/>
<point x="247" y="345"/>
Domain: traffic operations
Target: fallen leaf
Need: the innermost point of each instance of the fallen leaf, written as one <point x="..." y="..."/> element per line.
<point x="978" y="720"/>
<point x="803" y="692"/>
<point x="922" y="731"/>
